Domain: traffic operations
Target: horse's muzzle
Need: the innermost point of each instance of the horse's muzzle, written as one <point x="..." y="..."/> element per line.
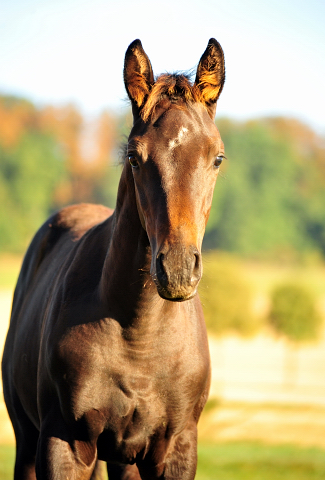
<point x="178" y="272"/>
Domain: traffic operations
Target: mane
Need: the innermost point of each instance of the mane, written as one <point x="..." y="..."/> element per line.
<point x="173" y="87"/>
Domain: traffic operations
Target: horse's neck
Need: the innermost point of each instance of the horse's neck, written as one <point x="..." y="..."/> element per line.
<point x="127" y="289"/>
<point x="126" y="278"/>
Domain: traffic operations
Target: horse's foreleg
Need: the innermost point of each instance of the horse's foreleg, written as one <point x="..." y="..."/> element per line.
<point x="26" y="440"/>
<point x="60" y="458"/>
<point x="25" y="454"/>
<point x="25" y="462"/>
<point x="180" y="462"/>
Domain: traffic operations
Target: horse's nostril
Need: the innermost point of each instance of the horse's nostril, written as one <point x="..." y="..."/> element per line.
<point x="196" y="272"/>
<point x="197" y="263"/>
<point x="160" y="269"/>
<point x="159" y="263"/>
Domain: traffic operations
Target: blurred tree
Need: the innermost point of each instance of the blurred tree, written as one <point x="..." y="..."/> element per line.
<point x="309" y="153"/>
<point x="265" y="200"/>
<point x="293" y="312"/>
<point x="45" y="163"/>
<point x="29" y="174"/>
<point x="88" y="150"/>
<point x="17" y="116"/>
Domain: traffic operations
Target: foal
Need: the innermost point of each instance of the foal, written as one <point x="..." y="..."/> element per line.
<point x="106" y="357"/>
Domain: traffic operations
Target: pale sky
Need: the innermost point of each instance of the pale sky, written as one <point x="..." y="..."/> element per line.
<point x="59" y="51"/>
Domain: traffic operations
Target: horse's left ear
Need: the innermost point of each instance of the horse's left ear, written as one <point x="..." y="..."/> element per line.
<point x="138" y="75"/>
<point x="210" y="75"/>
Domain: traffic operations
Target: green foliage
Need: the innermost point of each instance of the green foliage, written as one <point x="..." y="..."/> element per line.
<point x="49" y="158"/>
<point x="105" y="192"/>
<point x="29" y="173"/>
<point x="226" y="296"/>
<point x="293" y="312"/>
<point x="270" y="194"/>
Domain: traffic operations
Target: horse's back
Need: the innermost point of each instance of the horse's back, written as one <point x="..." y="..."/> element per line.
<point x="46" y="256"/>
<point x="54" y="241"/>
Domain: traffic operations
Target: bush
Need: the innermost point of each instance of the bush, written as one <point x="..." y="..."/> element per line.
<point x="226" y="296"/>
<point x="293" y="312"/>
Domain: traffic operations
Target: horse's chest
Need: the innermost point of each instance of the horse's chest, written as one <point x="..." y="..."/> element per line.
<point x="127" y="396"/>
<point x="124" y="412"/>
<point x="130" y="422"/>
<point x="119" y="377"/>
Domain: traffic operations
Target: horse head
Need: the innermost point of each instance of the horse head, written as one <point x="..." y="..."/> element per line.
<point x="174" y="152"/>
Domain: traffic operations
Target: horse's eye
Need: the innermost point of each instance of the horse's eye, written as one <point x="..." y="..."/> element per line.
<point x="218" y="161"/>
<point x="133" y="161"/>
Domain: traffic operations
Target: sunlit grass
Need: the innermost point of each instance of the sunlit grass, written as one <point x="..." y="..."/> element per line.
<point x="7" y="459"/>
<point x="254" y="461"/>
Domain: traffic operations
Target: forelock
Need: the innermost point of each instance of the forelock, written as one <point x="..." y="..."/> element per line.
<point x="175" y="88"/>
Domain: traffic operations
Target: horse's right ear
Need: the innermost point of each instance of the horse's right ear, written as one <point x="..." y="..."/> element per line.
<point x="138" y="75"/>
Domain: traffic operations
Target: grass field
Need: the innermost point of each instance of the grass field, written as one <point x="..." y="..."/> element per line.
<point x="236" y="461"/>
<point x="254" y="461"/>
<point x="7" y="456"/>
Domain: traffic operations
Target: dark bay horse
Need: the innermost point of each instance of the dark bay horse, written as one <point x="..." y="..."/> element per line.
<point x="106" y="357"/>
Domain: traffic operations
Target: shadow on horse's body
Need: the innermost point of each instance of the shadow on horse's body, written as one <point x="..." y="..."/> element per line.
<point x="106" y="356"/>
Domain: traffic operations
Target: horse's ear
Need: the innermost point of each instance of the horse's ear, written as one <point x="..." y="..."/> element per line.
<point x="138" y="75"/>
<point x="210" y="75"/>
